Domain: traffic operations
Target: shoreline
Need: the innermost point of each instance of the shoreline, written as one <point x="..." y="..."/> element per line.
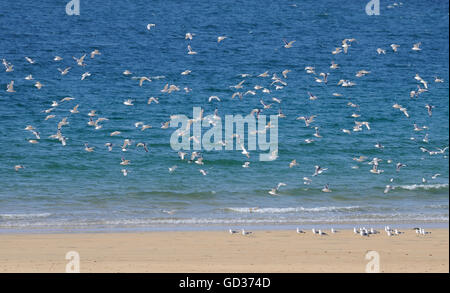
<point x="219" y="251"/>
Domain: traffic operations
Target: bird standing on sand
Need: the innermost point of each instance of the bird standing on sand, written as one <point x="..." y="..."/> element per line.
<point x="244" y="233"/>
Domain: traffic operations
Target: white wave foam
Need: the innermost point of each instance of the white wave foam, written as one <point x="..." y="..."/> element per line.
<point x="194" y="221"/>
<point x="24" y="216"/>
<point x="289" y="210"/>
<point x="422" y="186"/>
<point x="212" y="221"/>
<point x="140" y="222"/>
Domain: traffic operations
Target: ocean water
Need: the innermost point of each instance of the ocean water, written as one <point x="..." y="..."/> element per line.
<point x="65" y="188"/>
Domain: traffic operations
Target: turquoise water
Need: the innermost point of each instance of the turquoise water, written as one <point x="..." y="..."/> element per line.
<point x="67" y="188"/>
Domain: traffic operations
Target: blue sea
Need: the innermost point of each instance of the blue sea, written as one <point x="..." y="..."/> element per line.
<point x="65" y="188"/>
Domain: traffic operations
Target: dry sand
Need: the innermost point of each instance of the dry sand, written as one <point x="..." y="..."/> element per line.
<point x="215" y="251"/>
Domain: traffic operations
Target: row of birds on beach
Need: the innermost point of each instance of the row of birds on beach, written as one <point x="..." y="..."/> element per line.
<point x="362" y="231"/>
<point x="277" y="83"/>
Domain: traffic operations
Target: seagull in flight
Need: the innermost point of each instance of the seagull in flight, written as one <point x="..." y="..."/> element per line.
<point x="319" y="170"/>
<point x="334" y="65"/>
<point x="80" y="60"/>
<point x="306" y="181"/>
<point x="8" y="66"/>
<point x="74" y="110"/>
<point x="213" y="98"/>
<point x="326" y="188"/>
<point x="144" y="145"/>
<point x="429" y="109"/>
<point x="31" y="61"/>
<point x="375" y="170"/>
<point x="189" y="36"/>
<point x="336" y="51"/>
<point x="288" y="44"/>
<point x="38" y="85"/>
<point x="435" y="176"/>
<point x="416" y="47"/>
<point x="18" y="167"/>
<point x="316" y="134"/>
<point x="399" y="165"/>
<point x="395" y="47"/>
<point x="273" y="191"/>
<point x="285" y="72"/>
<point x="152" y="99"/>
<point x="109" y="146"/>
<point x="293" y="163"/>
<point x="94" y="53"/>
<point x="10" y="87"/>
<point x="387" y="189"/>
<point x="308" y="120"/>
<point x="379" y="145"/>
<point x="87" y="148"/>
<point x="124" y="162"/>
<point x="128" y="102"/>
<point x="311" y="96"/>
<point x="190" y="51"/>
<point x="84" y="75"/>
<point x="220" y="39"/>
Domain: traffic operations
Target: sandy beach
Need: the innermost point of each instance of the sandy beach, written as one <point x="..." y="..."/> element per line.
<point x="219" y="251"/>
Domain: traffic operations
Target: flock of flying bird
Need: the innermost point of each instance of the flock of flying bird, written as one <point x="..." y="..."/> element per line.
<point x="277" y="83"/>
<point x="322" y="77"/>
